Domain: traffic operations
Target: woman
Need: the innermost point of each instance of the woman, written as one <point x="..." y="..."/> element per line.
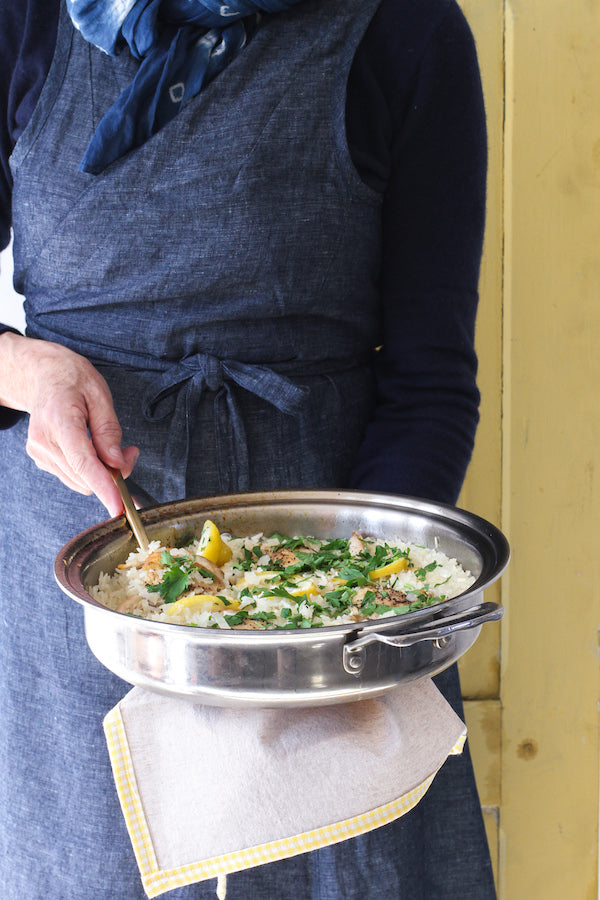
<point x="213" y="277"/>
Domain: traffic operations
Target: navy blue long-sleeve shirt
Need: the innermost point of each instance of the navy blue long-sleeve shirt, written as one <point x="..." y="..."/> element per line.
<point x="416" y="130"/>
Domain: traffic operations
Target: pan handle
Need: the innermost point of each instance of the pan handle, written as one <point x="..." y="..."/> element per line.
<point x="439" y="631"/>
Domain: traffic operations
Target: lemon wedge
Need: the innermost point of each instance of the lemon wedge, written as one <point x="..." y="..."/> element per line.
<point x="397" y="565"/>
<point x="212" y="546"/>
<point x="200" y="603"/>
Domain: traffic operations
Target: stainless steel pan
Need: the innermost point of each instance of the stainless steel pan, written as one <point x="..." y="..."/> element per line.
<point x="303" y="667"/>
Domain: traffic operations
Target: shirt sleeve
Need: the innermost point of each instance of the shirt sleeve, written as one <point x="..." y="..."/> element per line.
<point x="12" y="20"/>
<point x="27" y="40"/>
<point x="12" y="24"/>
<point x="420" y="439"/>
<point x="9" y="417"/>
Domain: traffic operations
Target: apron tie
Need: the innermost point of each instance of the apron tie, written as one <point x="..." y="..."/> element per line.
<point x="188" y="380"/>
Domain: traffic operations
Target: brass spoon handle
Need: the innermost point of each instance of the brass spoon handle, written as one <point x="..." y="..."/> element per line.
<point x="130" y="510"/>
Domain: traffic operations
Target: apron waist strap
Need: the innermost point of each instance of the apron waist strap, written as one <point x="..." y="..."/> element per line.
<point x="177" y="387"/>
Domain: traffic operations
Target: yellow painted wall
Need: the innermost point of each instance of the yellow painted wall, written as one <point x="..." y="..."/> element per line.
<point x="480" y="668"/>
<point x="533" y="686"/>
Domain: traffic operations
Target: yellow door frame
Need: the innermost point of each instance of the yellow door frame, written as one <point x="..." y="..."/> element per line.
<point x="533" y="688"/>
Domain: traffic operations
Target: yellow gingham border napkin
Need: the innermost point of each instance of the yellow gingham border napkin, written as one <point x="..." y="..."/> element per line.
<point x="156" y="880"/>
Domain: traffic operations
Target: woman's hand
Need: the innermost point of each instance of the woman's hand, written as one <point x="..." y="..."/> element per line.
<point x="73" y="428"/>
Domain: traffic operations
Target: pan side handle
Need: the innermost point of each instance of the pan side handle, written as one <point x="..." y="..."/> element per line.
<point x="439" y="632"/>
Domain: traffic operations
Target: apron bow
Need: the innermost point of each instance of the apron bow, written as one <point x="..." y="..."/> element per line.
<point x="187" y="381"/>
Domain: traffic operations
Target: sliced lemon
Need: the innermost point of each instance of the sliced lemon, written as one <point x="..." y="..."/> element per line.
<point x="304" y="589"/>
<point x="212" y="546"/>
<point x="200" y="603"/>
<point x="397" y="565"/>
<point x="302" y="595"/>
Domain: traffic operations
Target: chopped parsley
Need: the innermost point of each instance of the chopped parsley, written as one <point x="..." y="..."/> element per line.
<point x="422" y="573"/>
<point x="174" y="582"/>
<point x="316" y="582"/>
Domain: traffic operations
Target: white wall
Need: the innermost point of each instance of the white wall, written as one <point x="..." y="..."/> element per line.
<point x="11" y="303"/>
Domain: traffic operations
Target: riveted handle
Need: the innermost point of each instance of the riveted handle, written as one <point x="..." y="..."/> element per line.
<point x="439" y="632"/>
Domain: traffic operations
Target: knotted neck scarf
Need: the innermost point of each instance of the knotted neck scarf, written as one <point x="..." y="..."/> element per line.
<point x="181" y="45"/>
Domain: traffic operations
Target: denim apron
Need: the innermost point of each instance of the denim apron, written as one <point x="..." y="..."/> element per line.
<point x="223" y="279"/>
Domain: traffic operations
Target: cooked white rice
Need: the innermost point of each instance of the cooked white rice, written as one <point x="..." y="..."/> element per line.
<point x="252" y="590"/>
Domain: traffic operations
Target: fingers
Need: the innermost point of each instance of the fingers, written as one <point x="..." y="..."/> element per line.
<point x="59" y="443"/>
<point x="73" y="429"/>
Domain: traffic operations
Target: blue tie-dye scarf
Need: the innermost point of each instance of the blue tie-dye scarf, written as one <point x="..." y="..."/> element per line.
<point x="182" y="46"/>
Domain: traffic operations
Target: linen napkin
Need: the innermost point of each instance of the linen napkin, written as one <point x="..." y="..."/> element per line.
<point x="207" y="791"/>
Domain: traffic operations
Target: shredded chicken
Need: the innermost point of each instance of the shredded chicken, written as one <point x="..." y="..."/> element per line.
<point x="128" y="603"/>
<point x="356" y="544"/>
<point x="391" y="597"/>
<point x="283" y="556"/>
<point x="219" y="581"/>
<point x="151" y="566"/>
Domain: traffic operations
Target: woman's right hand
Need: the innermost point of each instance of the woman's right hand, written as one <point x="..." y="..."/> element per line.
<point x="73" y="428"/>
